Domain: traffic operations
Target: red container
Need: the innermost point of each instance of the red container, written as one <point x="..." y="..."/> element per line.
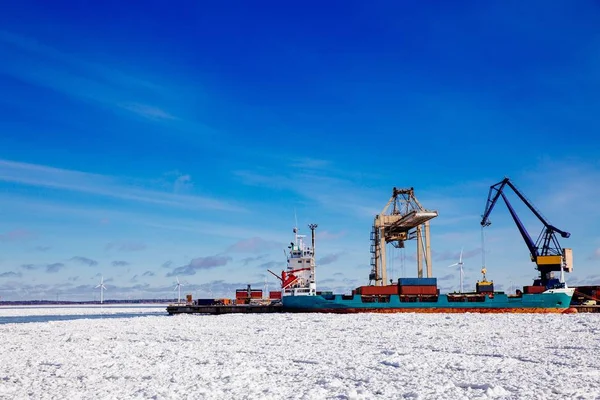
<point x="533" y="289"/>
<point x="378" y="290"/>
<point x="256" y="294"/>
<point x="275" y="295"/>
<point x="418" y="290"/>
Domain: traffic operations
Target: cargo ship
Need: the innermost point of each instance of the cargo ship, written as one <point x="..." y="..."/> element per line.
<point x="299" y="293"/>
<point x="404" y="218"/>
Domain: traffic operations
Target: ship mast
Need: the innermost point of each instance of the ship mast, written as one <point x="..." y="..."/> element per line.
<point x="313" y="278"/>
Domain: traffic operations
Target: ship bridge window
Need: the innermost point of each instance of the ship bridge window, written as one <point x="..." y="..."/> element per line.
<point x="299" y="261"/>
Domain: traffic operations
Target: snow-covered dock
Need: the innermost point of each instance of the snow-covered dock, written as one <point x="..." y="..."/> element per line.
<point x="223" y="309"/>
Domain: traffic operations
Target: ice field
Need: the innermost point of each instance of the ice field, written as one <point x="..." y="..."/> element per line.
<point x="302" y="356"/>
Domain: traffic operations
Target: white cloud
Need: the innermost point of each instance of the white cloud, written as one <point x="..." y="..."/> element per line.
<point x="102" y="185"/>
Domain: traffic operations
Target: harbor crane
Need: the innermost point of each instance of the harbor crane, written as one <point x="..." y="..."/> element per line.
<point x="406" y="220"/>
<point x="546" y="252"/>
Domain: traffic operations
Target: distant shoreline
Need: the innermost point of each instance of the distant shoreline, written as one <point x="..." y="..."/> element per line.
<point x="106" y="302"/>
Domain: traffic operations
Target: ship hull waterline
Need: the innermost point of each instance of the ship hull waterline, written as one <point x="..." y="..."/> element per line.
<point x="544" y="303"/>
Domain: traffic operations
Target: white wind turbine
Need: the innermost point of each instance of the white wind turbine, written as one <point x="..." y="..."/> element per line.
<point x="178" y="288"/>
<point x="102" y="289"/>
<point x="460" y="266"/>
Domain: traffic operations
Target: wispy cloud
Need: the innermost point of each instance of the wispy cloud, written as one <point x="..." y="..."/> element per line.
<point x="119" y="263"/>
<point x="200" y="263"/>
<point x="55" y="267"/>
<point x="167" y="264"/>
<point x="17" y="235"/>
<point x="148" y="273"/>
<point x="101" y="185"/>
<point x="10" y="274"/>
<point x="84" y="260"/>
<point x="146" y="111"/>
<point x="42" y="248"/>
<point x="322" y="187"/>
<point x="446" y="277"/>
<point x="271" y="264"/>
<point x="329" y="258"/>
<point x="75" y="77"/>
<point x="183" y="184"/>
<point x="249" y="260"/>
<point x="96" y="84"/>
<point x="595" y="255"/>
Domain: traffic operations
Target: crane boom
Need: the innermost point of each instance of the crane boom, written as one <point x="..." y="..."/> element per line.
<point x="546" y="251"/>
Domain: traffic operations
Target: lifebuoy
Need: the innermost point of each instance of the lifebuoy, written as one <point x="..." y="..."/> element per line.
<point x="491" y="295"/>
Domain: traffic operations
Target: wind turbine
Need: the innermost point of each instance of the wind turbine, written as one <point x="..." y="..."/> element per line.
<point x="102" y="289"/>
<point x="178" y="288"/>
<point x="460" y="266"/>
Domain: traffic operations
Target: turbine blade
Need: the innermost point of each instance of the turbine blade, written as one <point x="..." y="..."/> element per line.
<point x="461" y="253"/>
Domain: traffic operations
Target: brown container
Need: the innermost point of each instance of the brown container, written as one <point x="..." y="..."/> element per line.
<point x="533" y="289"/>
<point x="419" y="290"/>
<point x="188" y="298"/>
<point x="256" y="294"/>
<point x="377" y="290"/>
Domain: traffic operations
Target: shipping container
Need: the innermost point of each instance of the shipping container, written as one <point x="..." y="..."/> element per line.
<point x="484" y="287"/>
<point x="375" y="290"/>
<point x="533" y="289"/>
<point x="275" y="295"/>
<point x="243" y="294"/>
<point x="418" y="290"/>
<point x="417" y="281"/>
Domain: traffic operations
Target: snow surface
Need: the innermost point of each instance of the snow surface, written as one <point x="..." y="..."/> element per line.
<point x="92" y="309"/>
<point x="304" y="356"/>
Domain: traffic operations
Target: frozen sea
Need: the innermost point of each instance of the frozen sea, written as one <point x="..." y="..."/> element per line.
<point x="145" y="354"/>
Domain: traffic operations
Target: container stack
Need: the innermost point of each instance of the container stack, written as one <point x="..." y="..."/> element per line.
<point x="247" y="296"/>
<point x="418" y="286"/>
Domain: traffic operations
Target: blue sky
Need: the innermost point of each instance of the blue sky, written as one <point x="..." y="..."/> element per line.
<point x="145" y="141"/>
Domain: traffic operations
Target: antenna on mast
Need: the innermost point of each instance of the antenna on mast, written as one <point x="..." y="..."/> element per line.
<point x="295" y="227"/>
<point x="312" y="229"/>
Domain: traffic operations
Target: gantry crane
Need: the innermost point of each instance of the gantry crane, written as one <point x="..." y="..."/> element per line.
<point x="407" y="220"/>
<point x="546" y="251"/>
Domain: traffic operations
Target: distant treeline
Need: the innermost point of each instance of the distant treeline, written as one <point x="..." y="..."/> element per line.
<point x="54" y="302"/>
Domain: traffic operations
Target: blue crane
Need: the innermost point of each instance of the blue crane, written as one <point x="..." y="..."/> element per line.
<point x="546" y="252"/>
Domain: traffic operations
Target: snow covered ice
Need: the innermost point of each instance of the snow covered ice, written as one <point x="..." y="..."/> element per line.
<point x="303" y="356"/>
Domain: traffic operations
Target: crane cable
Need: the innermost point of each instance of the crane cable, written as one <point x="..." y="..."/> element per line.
<point x="482" y="248"/>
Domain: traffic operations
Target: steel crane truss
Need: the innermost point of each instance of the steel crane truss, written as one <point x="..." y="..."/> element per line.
<point x="406" y="221"/>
